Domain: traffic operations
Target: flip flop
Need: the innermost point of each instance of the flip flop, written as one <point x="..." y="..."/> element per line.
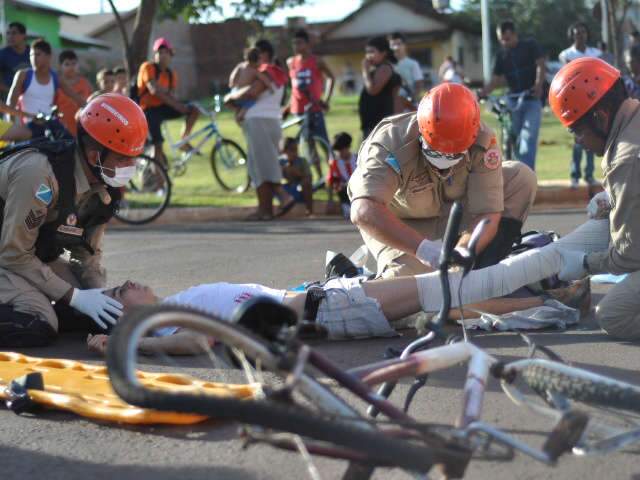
<point x="284" y="209"/>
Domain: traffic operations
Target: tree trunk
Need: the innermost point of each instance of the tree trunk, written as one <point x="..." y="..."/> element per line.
<point x="125" y="37"/>
<point x="141" y="32"/>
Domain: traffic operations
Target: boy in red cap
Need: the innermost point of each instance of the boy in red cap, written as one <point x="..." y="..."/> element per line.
<point x="156" y="90"/>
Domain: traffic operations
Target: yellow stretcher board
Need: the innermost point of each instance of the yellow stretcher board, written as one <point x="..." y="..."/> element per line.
<point x="86" y="390"/>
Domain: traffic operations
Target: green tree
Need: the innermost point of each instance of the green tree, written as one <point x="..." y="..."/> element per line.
<point x="135" y="48"/>
<point x="545" y="20"/>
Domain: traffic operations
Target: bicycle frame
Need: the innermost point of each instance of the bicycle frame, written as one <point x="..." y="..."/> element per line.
<point x="361" y="380"/>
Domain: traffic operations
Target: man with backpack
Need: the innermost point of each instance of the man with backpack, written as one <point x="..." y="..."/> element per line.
<point x="57" y="196"/>
<point x="155" y="92"/>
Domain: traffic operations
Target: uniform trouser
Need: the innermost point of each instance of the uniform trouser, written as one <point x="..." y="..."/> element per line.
<point x="33" y="308"/>
<point x="618" y="313"/>
<point x="520" y="184"/>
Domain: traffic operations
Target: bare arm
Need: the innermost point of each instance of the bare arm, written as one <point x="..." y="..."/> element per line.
<point x="184" y="342"/>
<point x="378" y="221"/>
<point x="165" y="96"/>
<point x="496" y="81"/>
<point x="376" y="82"/>
<point x="489" y="233"/>
<point x="66" y="88"/>
<point x="331" y="80"/>
<point x="418" y="89"/>
<point x="541" y="70"/>
<point x="233" y="78"/>
<point x="16" y="88"/>
<point x="252" y="91"/>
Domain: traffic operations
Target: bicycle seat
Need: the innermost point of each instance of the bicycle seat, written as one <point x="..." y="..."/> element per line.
<point x="265" y="317"/>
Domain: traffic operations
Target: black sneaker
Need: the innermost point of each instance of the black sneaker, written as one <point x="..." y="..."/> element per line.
<point x="340" y="266"/>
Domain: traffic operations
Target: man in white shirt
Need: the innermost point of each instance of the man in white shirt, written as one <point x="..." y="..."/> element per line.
<point x="579" y="34"/>
<point x="408" y="69"/>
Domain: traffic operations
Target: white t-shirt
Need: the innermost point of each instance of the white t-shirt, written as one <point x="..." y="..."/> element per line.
<point x="267" y="104"/>
<point x="219" y="299"/>
<point x="571" y="53"/>
<point x="410" y="71"/>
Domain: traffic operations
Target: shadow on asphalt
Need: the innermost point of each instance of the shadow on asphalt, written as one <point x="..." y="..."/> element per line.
<point x="58" y="467"/>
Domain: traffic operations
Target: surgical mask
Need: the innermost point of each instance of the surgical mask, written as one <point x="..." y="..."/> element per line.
<point x="121" y="176"/>
<point x="441" y="161"/>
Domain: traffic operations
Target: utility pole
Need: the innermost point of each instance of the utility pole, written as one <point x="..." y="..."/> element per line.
<point x="486" y="40"/>
<point x="604" y="22"/>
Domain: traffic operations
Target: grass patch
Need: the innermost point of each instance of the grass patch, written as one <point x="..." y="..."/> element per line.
<point x="198" y="187"/>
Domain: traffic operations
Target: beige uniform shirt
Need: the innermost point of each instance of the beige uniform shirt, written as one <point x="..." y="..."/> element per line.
<point x="392" y="170"/>
<point x="621" y="169"/>
<point x="30" y="192"/>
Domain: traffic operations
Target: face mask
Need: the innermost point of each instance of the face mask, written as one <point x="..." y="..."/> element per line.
<point x="121" y="176"/>
<point x="441" y="161"/>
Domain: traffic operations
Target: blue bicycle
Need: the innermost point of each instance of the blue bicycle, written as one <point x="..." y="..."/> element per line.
<point x="228" y="159"/>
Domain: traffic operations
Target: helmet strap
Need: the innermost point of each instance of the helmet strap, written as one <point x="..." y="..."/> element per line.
<point x="102" y="153"/>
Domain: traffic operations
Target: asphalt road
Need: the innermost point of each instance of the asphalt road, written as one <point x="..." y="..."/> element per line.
<point x="56" y="445"/>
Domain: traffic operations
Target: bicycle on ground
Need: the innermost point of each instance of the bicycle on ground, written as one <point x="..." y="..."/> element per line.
<point x="302" y="409"/>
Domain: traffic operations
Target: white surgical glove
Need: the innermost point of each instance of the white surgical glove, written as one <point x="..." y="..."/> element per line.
<point x="94" y="303"/>
<point x="573" y="265"/>
<point x="599" y="206"/>
<point x="428" y="252"/>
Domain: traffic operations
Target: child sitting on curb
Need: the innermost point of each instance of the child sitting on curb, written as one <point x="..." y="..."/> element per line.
<point x="341" y="167"/>
<point x="296" y="171"/>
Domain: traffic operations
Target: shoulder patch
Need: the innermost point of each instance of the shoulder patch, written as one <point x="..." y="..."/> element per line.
<point x="392" y="161"/>
<point x="492" y="157"/>
<point x="44" y="194"/>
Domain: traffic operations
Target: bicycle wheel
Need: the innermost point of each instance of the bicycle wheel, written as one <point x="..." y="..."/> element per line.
<point x="581" y="385"/>
<point x="229" y="166"/>
<point x="147" y="194"/>
<point x="308" y="417"/>
<point x="318" y="153"/>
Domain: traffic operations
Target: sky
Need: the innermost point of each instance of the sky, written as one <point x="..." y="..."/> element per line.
<point x="314" y="10"/>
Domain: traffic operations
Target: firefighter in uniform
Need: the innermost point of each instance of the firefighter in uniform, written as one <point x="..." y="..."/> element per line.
<point x="589" y="98"/>
<point x="412" y="168"/>
<point x="57" y="196"/>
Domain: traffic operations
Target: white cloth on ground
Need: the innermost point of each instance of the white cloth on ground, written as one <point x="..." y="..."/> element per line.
<point x="553" y="314"/>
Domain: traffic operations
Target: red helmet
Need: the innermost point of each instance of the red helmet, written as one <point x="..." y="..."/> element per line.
<point x="116" y="122"/>
<point x="449" y="118"/>
<point x="578" y="86"/>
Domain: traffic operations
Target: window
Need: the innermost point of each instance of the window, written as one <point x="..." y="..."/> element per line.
<point x="461" y="56"/>
<point x="423" y="56"/>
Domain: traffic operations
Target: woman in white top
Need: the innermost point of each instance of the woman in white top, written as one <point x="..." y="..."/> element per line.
<point x="261" y="127"/>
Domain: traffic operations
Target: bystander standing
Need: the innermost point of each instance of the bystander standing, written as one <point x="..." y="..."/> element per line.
<point x="68" y="61"/>
<point x="13" y="57"/>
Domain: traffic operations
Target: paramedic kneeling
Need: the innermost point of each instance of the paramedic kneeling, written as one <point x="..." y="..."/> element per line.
<point x="589" y="98"/>
<point x="413" y="167"/>
<point x="56" y="196"/>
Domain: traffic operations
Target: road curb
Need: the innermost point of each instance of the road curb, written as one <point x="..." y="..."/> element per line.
<point x="551" y="195"/>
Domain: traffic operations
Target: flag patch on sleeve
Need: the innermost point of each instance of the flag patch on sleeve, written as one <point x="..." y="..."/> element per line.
<point x="44" y="194"/>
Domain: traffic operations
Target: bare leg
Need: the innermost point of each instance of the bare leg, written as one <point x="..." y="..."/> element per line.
<point x="398" y="298"/>
<point x="265" y="199"/>
<point x="190" y="121"/>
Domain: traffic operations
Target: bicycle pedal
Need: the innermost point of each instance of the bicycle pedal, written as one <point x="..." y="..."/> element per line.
<point x="566" y="434"/>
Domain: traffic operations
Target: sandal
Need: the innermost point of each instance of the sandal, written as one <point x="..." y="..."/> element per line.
<point x="284" y="209"/>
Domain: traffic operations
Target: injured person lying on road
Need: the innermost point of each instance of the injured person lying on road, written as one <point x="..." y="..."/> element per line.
<point x="351" y="308"/>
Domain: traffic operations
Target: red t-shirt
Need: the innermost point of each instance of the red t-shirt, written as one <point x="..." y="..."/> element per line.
<point x="307" y="81"/>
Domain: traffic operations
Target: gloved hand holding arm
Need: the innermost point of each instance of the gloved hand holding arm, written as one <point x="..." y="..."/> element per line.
<point x="94" y="303"/>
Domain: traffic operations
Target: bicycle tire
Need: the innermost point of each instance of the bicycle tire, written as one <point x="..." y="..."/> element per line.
<point x="217" y="166"/>
<point x="142" y="217"/>
<point x="267" y="413"/>
<point x="580" y="385"/>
